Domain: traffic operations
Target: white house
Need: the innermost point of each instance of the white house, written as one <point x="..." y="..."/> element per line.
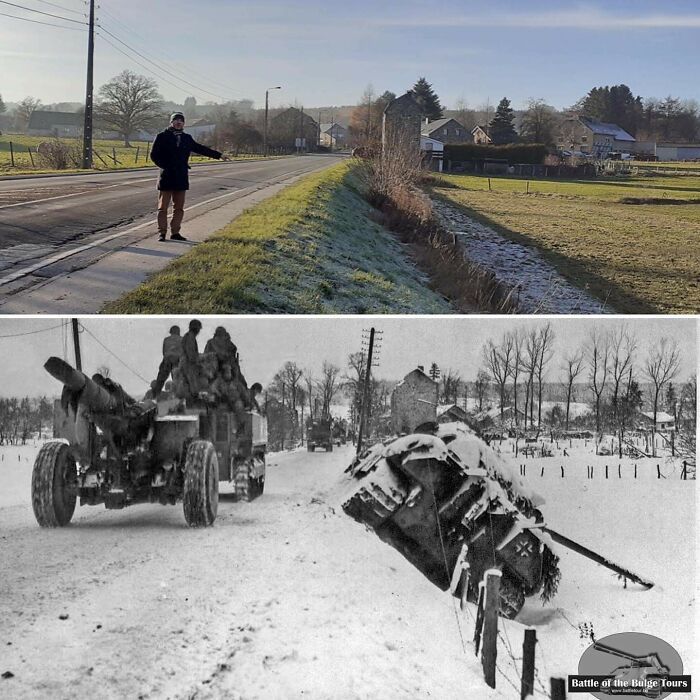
<point x="664" y="422"/>
<point x="433" y="152"/>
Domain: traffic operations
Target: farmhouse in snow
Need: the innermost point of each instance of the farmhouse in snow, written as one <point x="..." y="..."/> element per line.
<point x="413" y="401"/>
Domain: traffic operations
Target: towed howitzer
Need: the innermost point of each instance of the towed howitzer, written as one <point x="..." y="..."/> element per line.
<point x="446" y="497"/>
<point x="119" y="451"/>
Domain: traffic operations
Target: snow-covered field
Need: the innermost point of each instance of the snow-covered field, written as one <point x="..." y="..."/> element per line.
<point x="287" y="597"/>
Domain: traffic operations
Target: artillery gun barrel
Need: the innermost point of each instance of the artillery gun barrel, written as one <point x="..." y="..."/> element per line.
<point x="599" y="559"/>
<point x="93" y="395"/>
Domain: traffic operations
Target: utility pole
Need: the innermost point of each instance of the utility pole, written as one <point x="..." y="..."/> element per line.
<point x="87" y="124"/>
<point x="364" y="408"/>
<point x="267" y="103"/>
<point x="76" y="344"/>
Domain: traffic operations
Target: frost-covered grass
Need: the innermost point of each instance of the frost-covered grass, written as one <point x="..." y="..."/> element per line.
<point x="639" y="258"/>
<point x="313" y="248"/>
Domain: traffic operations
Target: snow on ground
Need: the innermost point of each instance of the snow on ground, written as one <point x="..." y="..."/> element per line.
<point x="541" y="288"/>
<point x="287" y="597"/>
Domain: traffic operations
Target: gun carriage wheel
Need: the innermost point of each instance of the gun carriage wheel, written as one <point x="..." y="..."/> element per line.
<point x="54" y="487"/>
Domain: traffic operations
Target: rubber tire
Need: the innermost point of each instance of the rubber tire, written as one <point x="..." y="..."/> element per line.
<point x="511" y="598"/>
<point x="200" y="497"/>
<point x="54" y="468"/>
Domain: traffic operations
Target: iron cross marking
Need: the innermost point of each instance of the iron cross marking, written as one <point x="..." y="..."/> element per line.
<point x="523" y="548"/>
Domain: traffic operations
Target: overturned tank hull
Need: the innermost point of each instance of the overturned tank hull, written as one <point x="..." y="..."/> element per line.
<point x="429" y="495"/>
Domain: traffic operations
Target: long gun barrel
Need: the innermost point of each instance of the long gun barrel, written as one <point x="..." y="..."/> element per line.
<point x="91" y="394"/>
<point x="599" y="559"/>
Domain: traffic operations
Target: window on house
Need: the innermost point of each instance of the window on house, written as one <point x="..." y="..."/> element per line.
<point x="444" y="131"/>
<point x="584" y="139"/>
<point x="456" y="132"/>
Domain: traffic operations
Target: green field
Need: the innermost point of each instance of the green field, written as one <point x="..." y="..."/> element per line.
<point x="638" y="257"/>
<point x="108" y="155"/>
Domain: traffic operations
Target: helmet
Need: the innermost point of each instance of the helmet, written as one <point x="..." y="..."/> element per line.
<point x="175" y="330"/>
<point x="195" y="325"/>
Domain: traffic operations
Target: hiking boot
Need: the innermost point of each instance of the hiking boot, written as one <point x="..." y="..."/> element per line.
<point x="177" y="237"/>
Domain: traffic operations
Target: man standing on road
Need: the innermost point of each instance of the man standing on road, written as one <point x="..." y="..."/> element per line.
<point x="171" y="151"/>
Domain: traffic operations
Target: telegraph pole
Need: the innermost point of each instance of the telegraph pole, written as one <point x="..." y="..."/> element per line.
<point x="87" y="125"/>
<point x="364" y="408"/>
<point x="76" y="344"/>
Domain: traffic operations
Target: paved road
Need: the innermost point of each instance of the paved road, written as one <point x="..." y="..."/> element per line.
<point x="51" y="225"/>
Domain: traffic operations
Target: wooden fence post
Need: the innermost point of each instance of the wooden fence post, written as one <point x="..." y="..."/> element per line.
<point x="658" y="471"/>
<point x="31" y="156"/>
<point x="489" y="184"/>
<point x="479" y="619"/>
<point x="606" y="471"/>
<point x="557" y="687"/>
<point x="12" y="154"/>
<point x="527" y="683"/>
<point x="136" y="159"/>
<point x="562" y="471"/>
<point x="492" y="579"/>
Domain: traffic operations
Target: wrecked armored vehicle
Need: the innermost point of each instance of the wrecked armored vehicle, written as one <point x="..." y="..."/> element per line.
<point x="427" y="495"/>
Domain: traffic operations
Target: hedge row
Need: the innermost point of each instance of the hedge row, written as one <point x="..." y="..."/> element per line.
<point x="531" y="153"/>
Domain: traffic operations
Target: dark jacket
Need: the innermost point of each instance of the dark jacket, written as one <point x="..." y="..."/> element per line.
<point x="171" y="151"/>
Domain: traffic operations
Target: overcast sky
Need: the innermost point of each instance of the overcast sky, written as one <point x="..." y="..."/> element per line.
<point x="325" y="53"/>
<point x="265" y="344"/>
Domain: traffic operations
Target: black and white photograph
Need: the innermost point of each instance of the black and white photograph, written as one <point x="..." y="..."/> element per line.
<point x="240" y="507"/>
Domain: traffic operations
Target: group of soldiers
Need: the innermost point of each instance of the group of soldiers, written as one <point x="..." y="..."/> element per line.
<point x="216" y="373"/>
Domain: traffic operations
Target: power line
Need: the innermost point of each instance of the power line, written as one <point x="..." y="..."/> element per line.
<point x="138" y="63"/>
<point x="40" y="330"/>
<point x="164" y="70"/>
<point x="61" y="7"/>
<point x="165" y="55"/>
<point x="40" y="12"/>
<point x="116" y="357"/>
<point x="38" y="21"/>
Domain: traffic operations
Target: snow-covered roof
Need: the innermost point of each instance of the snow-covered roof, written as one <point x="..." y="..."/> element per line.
<point x="420" y="373"/>
<point x="661" y="416"/>
<point x="444" y="408"/>
<point x="606" y="129"/>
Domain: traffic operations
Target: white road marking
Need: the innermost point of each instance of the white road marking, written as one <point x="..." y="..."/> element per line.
<point x="73" y="194"/>
<point x="23" y="272"/>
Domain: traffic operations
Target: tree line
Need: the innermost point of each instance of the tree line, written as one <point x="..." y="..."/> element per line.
<point x="22" y="418"/>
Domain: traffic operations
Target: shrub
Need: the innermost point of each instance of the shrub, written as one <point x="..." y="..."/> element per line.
<point x="530" y="153"/>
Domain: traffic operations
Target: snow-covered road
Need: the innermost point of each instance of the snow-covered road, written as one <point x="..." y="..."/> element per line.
<point x="287" y="597"/>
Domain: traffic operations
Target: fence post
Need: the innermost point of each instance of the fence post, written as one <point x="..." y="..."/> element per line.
<point x="136" y="159"/>
<point x="12" y="154"/>
<point x="31" y="156"/>
<point x="562" y="471"/>
<point x="658" y="471"/>
<point x="489" y="184"/>
<point x="619" y="471"/>
<point x="479" y="619"/>
<point x="557" y="688"/>
<point x="527" y="684"/>
<point x="114" y="155"/>
<point x="148" y="149"/>
<point x="542" y="472"/>
<point x="635" y="470"/>
<point x="492" y="579"/>
<point x="684" y="473"/>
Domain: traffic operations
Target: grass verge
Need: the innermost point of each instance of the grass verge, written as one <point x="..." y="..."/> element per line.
<point x="313" y="248"/>
<point x="639" y="258"/>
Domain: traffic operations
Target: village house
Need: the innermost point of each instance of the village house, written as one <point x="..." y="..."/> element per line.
<point x="293" y="129"/>
<point x="401" y="122"/>
<point x="200" y="128"/>
<point x="333" y="135"/>
<point x="64" y="124"/>
<point x="446" y="131"/>
<point x="594" y="138"/>
<point x="449" y="413"/>
<point x="433" y="152"/>
<point x="413" y="401"/>
<point x="664" y="422"/>
<point x="480" y="135"/>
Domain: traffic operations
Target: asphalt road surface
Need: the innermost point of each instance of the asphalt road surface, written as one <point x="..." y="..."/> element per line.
<point x="51" y="224"/>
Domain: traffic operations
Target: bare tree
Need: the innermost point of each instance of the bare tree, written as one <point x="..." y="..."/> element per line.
<point x="622" y="347"/>
<point x="539" y="123"/>
<point x="515" y="371"/>
<point x="451" y="383"/>
<point x="661" y="367"/>
<point x="529" y="361"/>
<point x="24" y="111"/>
<point x="499" y="360"/>
<point x="573" y="364"/>
<point x="128" y="103"/>
<point x="598" y="353"/>
<point x="545" y="338"/>
<point x="481" y="387"/>
<point x="328" y="386"/>
<point x="291" y="375"/>
<point x="311" y="392"/>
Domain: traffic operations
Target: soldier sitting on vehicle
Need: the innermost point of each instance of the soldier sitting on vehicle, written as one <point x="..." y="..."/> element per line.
<point x="189" y="360"/>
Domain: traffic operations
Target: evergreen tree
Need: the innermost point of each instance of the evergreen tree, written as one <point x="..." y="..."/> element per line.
<point x="434" y="372"/>
<point x="501" y="129"/>
<point x="2" y="105"/>
<point x="615" y="104"/>
<point x="427" y="99"/>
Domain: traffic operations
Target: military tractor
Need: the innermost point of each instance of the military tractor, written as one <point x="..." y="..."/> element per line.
<point x="319" y="433"/>
<point x="119" y="451"/>
<point x="443" y="497"/>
